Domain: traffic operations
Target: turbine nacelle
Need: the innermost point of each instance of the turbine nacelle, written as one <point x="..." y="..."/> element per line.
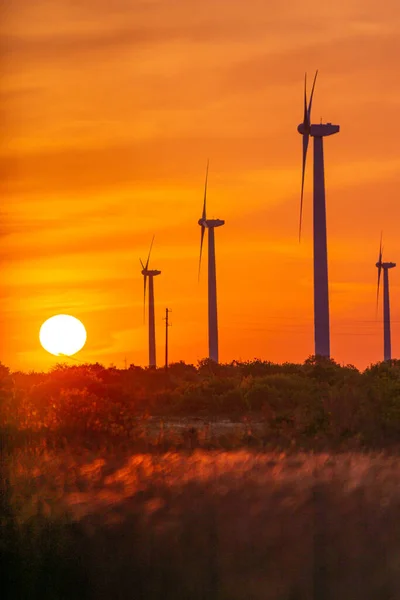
<point x="150" y="272"/>
<point x="385" y="265"/>
<point x="211" y="222"/>
<point x="321" y="130"/>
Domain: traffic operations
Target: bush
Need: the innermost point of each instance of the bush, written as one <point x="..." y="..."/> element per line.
<point x="317" y="399"/>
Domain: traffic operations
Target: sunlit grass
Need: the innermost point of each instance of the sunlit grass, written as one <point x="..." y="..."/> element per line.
<point x="212" y="524"/>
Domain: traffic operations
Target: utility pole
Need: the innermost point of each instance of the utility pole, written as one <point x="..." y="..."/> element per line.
<point x="167" y="324"/>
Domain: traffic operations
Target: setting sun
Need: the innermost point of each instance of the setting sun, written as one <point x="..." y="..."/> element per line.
<point x="62" y="335"/>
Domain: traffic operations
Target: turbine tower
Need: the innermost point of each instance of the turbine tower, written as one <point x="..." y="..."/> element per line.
<point x="210" y="225"/>
<point x="387" y="344"/>
<point x="321" y="294"/>
<point x="150" y="273"/>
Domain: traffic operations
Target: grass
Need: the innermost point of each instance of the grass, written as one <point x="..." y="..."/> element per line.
<point x="126" y="484"/>
<point x="212" y="524"/>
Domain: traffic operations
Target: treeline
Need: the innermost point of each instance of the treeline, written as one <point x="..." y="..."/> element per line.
<point x="316" y="400"/>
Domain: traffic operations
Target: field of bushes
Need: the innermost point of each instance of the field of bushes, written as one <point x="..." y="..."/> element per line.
<point x="221" y="482"/>
<point x="318" y="404"/>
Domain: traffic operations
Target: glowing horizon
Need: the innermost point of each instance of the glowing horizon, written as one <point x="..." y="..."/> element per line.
<point x="111" y="113"/>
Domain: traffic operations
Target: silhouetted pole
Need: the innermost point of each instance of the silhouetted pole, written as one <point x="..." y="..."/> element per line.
<point x="387" y="344"/>
<point x="167" y="324"/>
<point x="152" y="327"/>
<point x="212" y="299"/>
<point x="321" y="293"/>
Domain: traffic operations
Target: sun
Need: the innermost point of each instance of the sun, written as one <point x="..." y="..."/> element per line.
<point x="62" y="335"/>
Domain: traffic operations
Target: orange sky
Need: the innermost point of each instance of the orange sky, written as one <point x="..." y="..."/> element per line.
<point x="109" y="112"/>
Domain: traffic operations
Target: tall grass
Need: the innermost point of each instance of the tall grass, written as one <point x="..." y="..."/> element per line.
<point x="226" y="525"/>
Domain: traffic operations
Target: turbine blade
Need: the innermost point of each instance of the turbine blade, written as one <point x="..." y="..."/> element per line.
<point x="377" y="291"/>
<point x="305" y="100"/>
<point x="141" y="262"/>
<point x="201" y="246"/>
<point x="311" y="99"/>
<point x="306" y="138"/>
<point x="380" y="250"/>
<point x="203" y="216"/>
<point x="303" y="173"/>
<point x="379" y="272"/>
<point x="148" y="258"/>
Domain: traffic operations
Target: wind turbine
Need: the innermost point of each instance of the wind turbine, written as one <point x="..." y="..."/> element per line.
<point x="149" y="273"/>
<point x="210" y="225"/>
<point x="321" y="294"/>
<point x="387" y="344"/>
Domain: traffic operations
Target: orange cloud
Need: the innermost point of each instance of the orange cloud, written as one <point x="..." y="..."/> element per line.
<point x="110" y="112"/>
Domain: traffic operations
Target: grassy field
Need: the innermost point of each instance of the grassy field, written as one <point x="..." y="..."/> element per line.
<point x="242" y="481"/>
<point x="109" y="524"/>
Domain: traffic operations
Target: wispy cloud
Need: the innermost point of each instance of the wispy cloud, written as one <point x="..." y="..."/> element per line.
<point x="110" y="111"/>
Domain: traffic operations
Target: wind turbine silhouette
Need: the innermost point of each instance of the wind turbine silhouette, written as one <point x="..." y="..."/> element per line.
<point x="387" y="344"/>
<point x="210" y="224"/>
<point x="321" y="293"/>
<point x="148" y="273"/>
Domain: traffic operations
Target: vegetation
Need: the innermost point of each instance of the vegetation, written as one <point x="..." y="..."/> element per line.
<point x="208" y="525"/>
<point x="318" y="404"/>
<point x="129" y="484"/>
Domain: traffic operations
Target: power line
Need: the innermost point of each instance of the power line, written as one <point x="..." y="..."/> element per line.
<point x="305" y="320"/>
<point x="70" y="358"/>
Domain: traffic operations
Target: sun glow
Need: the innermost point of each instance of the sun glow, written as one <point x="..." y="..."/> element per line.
<point x="62" y="335"/>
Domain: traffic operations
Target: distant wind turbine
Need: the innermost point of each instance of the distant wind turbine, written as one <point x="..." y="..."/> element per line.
<point x="321" y="294"/>
<point x="148" y="273"/>
<point x="387" y="344"/>
<point x="210" y="224"/>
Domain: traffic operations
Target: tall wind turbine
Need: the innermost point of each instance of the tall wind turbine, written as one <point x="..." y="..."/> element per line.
<point x="321" y="294"/>
<point x="387" y="344"/>
<point x="149" y="273"/>
<point x="210" y="225"/>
